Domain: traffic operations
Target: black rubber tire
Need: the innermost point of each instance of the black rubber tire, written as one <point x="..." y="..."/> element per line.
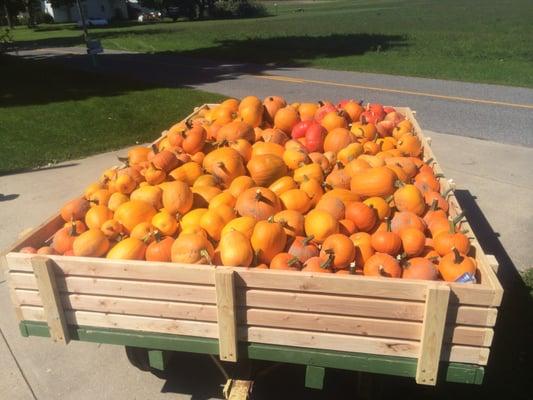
<point x="138" y="357"/>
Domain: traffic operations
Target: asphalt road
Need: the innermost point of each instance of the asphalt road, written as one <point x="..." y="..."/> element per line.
<point x="489" y="112"/>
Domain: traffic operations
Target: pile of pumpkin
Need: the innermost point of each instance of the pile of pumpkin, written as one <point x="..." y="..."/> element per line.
<point x="307" y="187"/>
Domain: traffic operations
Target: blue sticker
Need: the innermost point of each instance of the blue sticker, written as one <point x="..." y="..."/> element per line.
<point x="466" y="278"/>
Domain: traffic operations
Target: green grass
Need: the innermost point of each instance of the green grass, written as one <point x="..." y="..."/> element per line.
<point x="73" y="114"/>
<point x="474" y="40"/>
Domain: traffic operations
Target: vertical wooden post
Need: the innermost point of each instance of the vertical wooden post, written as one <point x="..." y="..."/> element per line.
<point x="53" y="309"/>
<point x="433" y="325"/>
<point x="226" y="315"/>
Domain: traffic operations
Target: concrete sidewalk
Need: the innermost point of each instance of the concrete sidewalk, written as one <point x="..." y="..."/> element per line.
<point x="37" y="368"/>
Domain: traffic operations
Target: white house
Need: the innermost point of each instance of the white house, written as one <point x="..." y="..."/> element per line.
<point x="92" y="9"/>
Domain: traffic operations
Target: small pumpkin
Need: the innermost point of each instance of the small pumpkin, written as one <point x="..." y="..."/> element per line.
<point x="295" y="158"/>
<point x="337" y="139"/>
<point x="266" y="169"/>
<point x="317" y="264"/>
<point x="320" y="224"/>
<point x="272" y="105"/>
<point x="334" y="120"/>
<point x="225" y="163"/>
<point x="309" y="171"/>
<point x="314" y="190"/>
<point x="409" y="145"/>
<point x="202" y="195"/>
<point x="205" y="180"/>
<point x="75" y="209"/>
<point x="296" y="199"/>
<point x="212" y="222"/>
<point x="350" y="152"/>
<point x="257" y="202"/>
<point x="407" y="219"/>
<point x="444" y="242"/>
<point x="383" y="265"/>
<point x="386" y="241"/>
<point x="303" y="248"/>
<point x="454" y="265"/>
<point x="283" y="184"/>
<point x="64" y="238"/>
<point x="332" y="205"/>
<point x="134" y="212"/>
<point x="116" y="199"/>
<point x="236" y="130"/>
<point x="286" y="261"/>
<point x="91" y="243"/>
<point x="245" y="225"/>
<point x="409" y="198"/>
<point x="235" y="249"/>
<point x="363" y="247"/>
<point x="272" y="135"/>
<point x="177" y="197"/>
<point x="165" y="223"/>
<point x="413" y="241"/>
<point x="160" y="249"/>
<point x="339" y="178"/>
<point x="96" y="216"/>
<point x="112" y="229"/>
<point x="224" y="197"/>
<point x="128" y="249"/>
<point x="268" y="239"/>
<point x="307" y="111"/>
<point x="192" y="248"/>
<point x="240" y="184"/>
<point x="419" y="268"/>
<point x="339" y="249"/>
<point x="381" y="206"/>
<point x="149" y="194"/>
<point x="378" y="181"/>
<point x="286" y="118"/>
<point x="364" y="217"/>
<point x="188" y="173"/>
<point x="292" y="222"/>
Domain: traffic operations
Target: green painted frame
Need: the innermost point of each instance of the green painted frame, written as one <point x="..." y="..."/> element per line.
<point x="399" y="366"/>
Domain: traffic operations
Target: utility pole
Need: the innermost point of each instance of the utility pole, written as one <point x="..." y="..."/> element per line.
<point x="83" y="23"/>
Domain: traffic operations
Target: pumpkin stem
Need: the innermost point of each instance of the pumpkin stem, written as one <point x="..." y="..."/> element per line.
<point x="188" y="123"/>
<point x="389" y="224"/>
<point x="327" y="186"/>
<point x="389" y="198"/>
<point x="157" y="236"/>
<point x="339" y="164"/>
<point x="458" y="218"/>
<point x="428" y="161"/>
<point x="293" y="261"/>
<point x="398" y="183"/>
<point x="155" y="149"/>
<point x="434" y="205"/>
<point x="260" y="197"/>
<point x="205" y="254"/>
<point x="308" y="239"/>
<point x="352" y="269"/>
<point x="320" y="103"/>
<point x="73" y="231"/>
<point x="433" y="259"/>
<point x="458" y="258"/>
<point x="327" y="263"/>
<point x="125" y="160"/>
<point x="221" y="165"/>
<point x="452" y="225"/>
<point x="381" y="270"/>
<point x="439" y="175"/>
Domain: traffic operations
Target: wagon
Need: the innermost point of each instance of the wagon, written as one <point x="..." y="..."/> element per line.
<point x="426" y="330"/>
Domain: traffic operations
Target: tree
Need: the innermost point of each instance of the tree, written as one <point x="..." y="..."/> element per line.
<point x="7" y="13"/>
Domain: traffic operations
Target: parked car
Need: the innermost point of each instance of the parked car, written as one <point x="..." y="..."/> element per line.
<point x="148" y="15"/>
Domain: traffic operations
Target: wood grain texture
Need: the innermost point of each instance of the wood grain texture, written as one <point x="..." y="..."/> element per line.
<point x="226" y="315"/>
<point x="49" y="294"/>
<point x="432" y="335"/>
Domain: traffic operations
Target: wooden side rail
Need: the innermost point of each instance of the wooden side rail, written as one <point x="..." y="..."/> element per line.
<point x="226" y="314"/>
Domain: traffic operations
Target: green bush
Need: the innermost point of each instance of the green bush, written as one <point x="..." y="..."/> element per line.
<point x="527" y="276"/>
<point x="237" y="9"/>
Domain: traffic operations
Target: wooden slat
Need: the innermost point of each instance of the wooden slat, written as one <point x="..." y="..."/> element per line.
<point x="226" y="315"/>
<point x="137" y="323"/>
<point x="127" y="269"/>
<point x="52" y="306"/>
<point x="124" y="288"/>
<point x="364" y="286"/>
<point x="260" y="317"/>
<point x="123" y="305"/>
<point x="328" y="341"/>
<point x="432" y="334"/>
<point x="36" y="237"/>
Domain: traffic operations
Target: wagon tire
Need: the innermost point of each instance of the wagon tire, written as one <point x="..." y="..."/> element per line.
<point x="138" y="357"/>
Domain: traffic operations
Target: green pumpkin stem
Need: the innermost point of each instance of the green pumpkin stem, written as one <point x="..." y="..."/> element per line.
<point x="458" y="218"/>
<point x="155" y="149"/>
<point x="205" y="254"/>
<point x="428" y="161"/>
<point x="447" y="192"/>
<point x="327" y="264"/>
<point x="308" y="239"/>
<point x="293" y="261"/>
<point x="434" y="205"/>
<point x="439" y="175"/>
<point x="389" y="224"/>
<point x="458" y="258"/>
<point x="73" y="231"/>
<point x="398" y="183"/>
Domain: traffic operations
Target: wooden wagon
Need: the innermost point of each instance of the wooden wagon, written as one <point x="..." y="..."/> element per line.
<point x="422" y="329"/>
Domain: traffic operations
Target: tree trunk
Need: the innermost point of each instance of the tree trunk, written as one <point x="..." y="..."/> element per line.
<point x="8" y="16"/>
<point x="30" y="11"/>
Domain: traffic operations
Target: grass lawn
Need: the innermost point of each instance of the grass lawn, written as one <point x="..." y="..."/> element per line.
<point x="72" y="114"/>
<point x="474" y="40"/>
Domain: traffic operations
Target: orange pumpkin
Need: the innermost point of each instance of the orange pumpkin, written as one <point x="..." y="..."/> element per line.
<point x="444" y="242"/>
<point x="252" y="114"/>
<point x="339" y="249"/>
<point x="225" y="163"/>
<point x="205" y="180"/>
<point x="296" y="199"/>
<point x="334" y="120"/>
<point x="149" y="194"/>
<point x="409" y="198"/>
<point x="128" y="249"/>
<point x="419" y="268"/>
<point x="112" y="229"/>
<point x="245" y="225"/>
<point x="427" y="181"/>
<point x="235" y="249"/>
<point x="64" y="238"/>
<point x="333" y="206"/>
<point x="309" y="171"/>
<point x="339" y="178"/>
<point x="363" y="247"/>
<point x="292" y="221"/>
<point x="272" y="105"/>
<point x="202" y="195"/>
<point x="409" y="145"/>
<point x="314" y="190"/>
<point x="97" y="215"/>
<point x="283" y="184"/>
<point x="268" y="239"/>
<point x="240" y="184"/>
<point x="349" y="153"/>
<point x="276" y="136"/>
<point x="188" y="172"/>
<point x="286" y="261"/>
<point x="381" y="206"/>
<point x="320" y="224"/>
<point x="372" y="182"/>
<point x="407" y="219"/>
<point x="286" y="118"/>
<point x="337" y="139"/>
<point x="363" y="216"/>
<point x="177" y="197"/>
<point x="91" y="243"/>
<point x="413" y="241"/>
<point x="436" y="200"/>
<point x="295" y="158"/>
<point x="303" y="248"/>
<point x="116" y="200"/>
<point x="454" y="265"/>
<point x="75" y="209"/>
<point x="317" y="264"/>
<point x="236" y="130"/>
<point x="259" y="203"/>
<point x="132" y="213"/>
<point x="212" y="222"/>
<point x="165" y="223"/>
<point x="307" y="111"/>
<point x="153" y="175"/>
<point x="383" y="265"/>
<point x="386" y="241"/>
<point x="192" y="248"/>
<point x="137" y="155"/>
<point x="160" y="249"/>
